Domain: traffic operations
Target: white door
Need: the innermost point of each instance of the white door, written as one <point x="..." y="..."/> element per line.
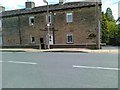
<point x="51" y="39"/>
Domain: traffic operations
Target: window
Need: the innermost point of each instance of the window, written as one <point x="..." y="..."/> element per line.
<point x="69" y="38"/>
<point x="69" y="17"/>
<point x="41" y="40"/>
<point x="32" y="39"/>
<point x="49" y="18"/>
<point x="31" y="21"/>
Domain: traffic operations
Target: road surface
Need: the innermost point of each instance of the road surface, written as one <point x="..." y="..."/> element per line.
<point x="59" y="70"/>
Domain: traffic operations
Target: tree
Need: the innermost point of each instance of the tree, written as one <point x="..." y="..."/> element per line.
<point x="110" y="29"/>
<point x="113" y="29"/>
<point x="104" y="29"/>
<point x="118" y="31"/>
<point x="109" y="15"/>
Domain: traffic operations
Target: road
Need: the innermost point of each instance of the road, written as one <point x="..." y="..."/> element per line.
<point x="59" y="70"/>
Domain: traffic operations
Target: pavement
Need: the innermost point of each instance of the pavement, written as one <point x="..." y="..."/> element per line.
<point x="105" y="49"/>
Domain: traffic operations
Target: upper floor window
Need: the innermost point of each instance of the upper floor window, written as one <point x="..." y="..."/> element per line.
<point x="49" y="19"/>
<point x="69" y="17"/>
<point x="31" y="21"/>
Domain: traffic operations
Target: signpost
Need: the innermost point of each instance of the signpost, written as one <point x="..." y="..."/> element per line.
<point x="48" y="25"/>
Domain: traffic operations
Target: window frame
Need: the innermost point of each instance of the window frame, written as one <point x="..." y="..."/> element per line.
<point x="32" y="39"/>
<point x="69" y="14"/>
<point x="30" y="22"/>
<point x="72" y="41"/>
<point x="49" y="19"/>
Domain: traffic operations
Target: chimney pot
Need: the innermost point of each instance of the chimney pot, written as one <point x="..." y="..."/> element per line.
<point x="61" y="1"/>
<point x="29" y="4"/>
<point x="2" y="9"/>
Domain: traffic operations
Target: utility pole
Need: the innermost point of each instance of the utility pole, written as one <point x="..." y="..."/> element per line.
<point x="48" y="24"/>
<point x="53" y="27"/>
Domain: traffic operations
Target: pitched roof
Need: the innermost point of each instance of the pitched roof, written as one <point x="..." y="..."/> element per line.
<point x="54" y="7"/>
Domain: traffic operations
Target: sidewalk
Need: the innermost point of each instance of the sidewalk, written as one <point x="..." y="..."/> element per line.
<point x="83" y="50"/>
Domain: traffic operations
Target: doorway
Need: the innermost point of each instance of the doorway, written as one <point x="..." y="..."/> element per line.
<point x="51" y="39"/>
<point x="42" y="45"/>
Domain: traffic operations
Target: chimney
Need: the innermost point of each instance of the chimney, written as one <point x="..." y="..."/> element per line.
<point x="2" y="9"/>
<point x="61" y="2"/>
<point x="29" y="4"/>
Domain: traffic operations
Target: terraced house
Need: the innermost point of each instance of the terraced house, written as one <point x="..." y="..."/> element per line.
<point x="71" y="24"/>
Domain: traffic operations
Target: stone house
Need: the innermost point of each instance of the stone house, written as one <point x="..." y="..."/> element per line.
<point x="71" y="24"/>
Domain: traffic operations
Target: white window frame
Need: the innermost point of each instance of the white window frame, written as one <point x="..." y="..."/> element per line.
<point x="70" y="14"/>
<point x="30" y="23"/>
<point x="49" y="19"/>
<point x="31" y="39"/>
<point x="68" y="38"/>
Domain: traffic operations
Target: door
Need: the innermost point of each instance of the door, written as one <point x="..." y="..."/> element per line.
<point x="51" y="39"/>
<point x="42" y="45"/>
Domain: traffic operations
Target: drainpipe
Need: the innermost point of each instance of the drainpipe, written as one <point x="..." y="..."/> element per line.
<point x="19" y="24"/>
<point x="97" y="26"/>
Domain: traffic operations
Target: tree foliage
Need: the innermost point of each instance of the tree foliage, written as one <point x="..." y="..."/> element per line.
<point x="113" y="29"/>
<point x="109" y="27"/>
<point x="104" y="29"/>
<point x="109" y="15"/>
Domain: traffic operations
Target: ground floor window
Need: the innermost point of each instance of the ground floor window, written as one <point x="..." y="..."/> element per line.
<point x="69" y="38"/>
<point x="32" y="39"/>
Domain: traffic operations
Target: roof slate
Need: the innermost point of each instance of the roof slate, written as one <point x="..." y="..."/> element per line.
<point x="54" y="7"/>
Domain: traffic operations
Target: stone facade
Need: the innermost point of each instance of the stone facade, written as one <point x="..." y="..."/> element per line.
<point x="28" y="27"/>
<point x="1" y="10"/>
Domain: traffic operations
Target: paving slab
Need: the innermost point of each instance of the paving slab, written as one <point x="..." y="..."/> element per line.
<point x="83" y="50"/>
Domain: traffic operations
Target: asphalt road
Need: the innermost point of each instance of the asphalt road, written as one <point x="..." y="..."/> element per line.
<point x="59" y="70"/>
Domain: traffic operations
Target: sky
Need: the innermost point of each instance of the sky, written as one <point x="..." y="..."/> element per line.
<point x="19" y="4"/>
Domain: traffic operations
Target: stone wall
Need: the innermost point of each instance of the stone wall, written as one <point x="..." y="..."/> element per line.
<point x="17" y="31"/>
<point x="83" y="24"/>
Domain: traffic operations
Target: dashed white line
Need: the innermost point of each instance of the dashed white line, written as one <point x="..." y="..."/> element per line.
<point x="90" y="67"/>
<point x="31" y="63"/>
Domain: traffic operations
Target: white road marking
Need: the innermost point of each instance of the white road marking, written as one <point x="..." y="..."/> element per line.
<point x="89" y="67"/>
<point x="31" y="63"/>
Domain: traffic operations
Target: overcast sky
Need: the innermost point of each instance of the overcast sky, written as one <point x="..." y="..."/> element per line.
<point x="18" y="4"/>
